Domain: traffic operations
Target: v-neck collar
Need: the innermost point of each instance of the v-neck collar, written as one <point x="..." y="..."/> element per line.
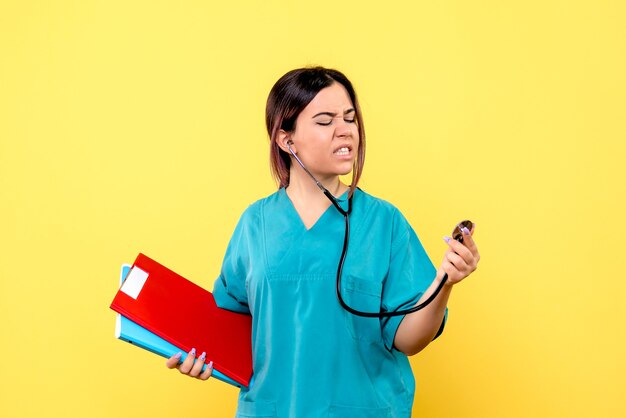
<point x="341" y="200"/>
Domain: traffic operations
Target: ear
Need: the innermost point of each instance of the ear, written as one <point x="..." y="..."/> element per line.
<point x="283" y="139"/>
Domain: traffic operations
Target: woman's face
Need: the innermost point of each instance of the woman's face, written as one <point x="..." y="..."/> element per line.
<point x="326" y="137"/>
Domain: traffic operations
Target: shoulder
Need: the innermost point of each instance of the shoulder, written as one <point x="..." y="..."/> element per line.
<point x="378" y="207"/>
<point x="382" y="215"/>
<point x="254" y="211"/>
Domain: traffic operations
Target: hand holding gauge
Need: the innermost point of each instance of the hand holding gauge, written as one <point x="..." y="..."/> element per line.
<point x="462" y="256"/>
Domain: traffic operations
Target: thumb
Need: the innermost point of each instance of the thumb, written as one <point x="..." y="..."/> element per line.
<point x="172" y="362"/>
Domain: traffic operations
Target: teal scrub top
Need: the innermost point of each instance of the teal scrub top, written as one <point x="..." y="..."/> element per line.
<point x="312" y="358"/>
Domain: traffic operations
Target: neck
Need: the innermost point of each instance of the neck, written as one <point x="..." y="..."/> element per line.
<point x="303" y="186"/>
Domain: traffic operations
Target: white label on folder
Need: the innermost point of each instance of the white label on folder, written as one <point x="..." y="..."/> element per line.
<point x="134" y="282"/>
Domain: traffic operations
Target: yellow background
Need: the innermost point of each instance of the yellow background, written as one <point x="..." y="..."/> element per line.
<point x="130" y="126"/>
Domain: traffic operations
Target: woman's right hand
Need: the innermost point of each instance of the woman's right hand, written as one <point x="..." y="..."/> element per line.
<point x="191" y="366"/>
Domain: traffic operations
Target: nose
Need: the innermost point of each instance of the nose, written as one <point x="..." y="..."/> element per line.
<point x="345" y="129"/>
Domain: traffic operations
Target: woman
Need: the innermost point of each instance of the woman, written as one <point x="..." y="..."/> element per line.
<point x="311" y="357"/>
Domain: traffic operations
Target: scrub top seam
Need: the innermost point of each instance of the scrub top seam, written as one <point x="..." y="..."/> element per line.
<point x="264" y="249"/>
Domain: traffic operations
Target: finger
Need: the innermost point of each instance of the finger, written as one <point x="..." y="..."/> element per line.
<point x="459" y="248"/>
<point x="207" y="372"/>
<point x="457" y="261"/>
<point x="172" y="362"/>
<point x="188" y="363"/>
<point x="197" y="366"/>
<point x="449" y="269"/>
<point x="470" y="244"/>
<point x="468" y="239"/>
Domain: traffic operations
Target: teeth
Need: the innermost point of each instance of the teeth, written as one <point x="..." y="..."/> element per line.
<point x="342" y="151"/>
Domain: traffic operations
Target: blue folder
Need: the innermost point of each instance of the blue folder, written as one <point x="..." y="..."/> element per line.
<point x="129" y="331"/>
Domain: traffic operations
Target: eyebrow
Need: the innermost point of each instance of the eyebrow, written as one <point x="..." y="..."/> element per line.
<point x="333" y="114"/>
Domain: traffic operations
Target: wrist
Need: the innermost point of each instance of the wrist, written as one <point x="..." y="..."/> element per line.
<point x="440" y="275"/>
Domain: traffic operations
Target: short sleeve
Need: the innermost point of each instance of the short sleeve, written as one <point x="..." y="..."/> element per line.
<point x="229" y="289"/>
<point x="410" y="274"/>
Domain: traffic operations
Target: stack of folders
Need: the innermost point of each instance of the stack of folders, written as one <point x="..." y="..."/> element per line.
<point x="162" y="312"/>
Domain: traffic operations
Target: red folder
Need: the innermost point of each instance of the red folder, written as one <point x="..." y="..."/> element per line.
<point x="186" y="315"/>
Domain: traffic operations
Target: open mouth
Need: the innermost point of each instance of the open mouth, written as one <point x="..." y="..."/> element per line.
<point x="343" y="151"/>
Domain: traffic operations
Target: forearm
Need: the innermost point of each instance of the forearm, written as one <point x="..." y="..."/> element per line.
<point x="419" y="328"/>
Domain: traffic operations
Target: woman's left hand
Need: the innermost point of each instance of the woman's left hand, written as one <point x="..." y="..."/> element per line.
<point x="461" y="259"/>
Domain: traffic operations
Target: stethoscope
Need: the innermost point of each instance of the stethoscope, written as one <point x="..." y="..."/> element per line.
<point x="457" y="234"/>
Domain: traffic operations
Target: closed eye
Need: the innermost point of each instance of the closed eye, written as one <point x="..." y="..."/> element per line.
<point x="328" y="123"/>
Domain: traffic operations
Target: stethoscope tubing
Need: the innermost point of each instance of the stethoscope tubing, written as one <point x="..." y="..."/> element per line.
<point x="346" y="241"/>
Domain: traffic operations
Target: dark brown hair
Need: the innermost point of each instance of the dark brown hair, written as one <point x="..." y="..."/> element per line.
<point x="289" y="96"/>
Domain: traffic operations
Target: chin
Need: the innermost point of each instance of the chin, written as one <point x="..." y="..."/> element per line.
<point x="341" y="169"/>
<point x="347" y="169"/>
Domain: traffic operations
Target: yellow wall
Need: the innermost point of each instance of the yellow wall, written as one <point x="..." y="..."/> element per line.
<point x="138" y="126"/>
